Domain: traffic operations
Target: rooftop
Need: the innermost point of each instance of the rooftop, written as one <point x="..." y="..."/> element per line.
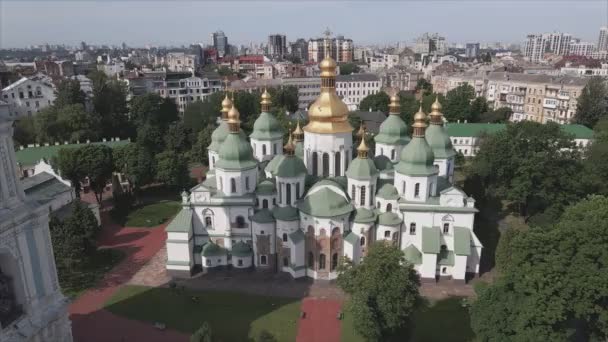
<point x="32" y="155"/>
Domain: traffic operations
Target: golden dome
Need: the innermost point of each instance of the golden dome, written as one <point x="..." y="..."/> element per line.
<point x="362" y="150"/>
<point x="289" y="147"/>
<point x="233" y="117"/>
<point x="298" y="134"/>
<point x="394" y="107"/>
<point x="328" y="67"/>
<point x="436" y="107"/>
<point x="226" y="105"/>
<point x="266" y="102"/>
<point x="436" y="115"/>
<point x="419" y="123"/>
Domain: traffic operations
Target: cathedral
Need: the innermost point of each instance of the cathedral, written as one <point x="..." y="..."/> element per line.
<point x="300" y="207"/>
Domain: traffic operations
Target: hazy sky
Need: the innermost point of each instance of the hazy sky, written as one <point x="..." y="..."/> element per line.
<point x="137" y="22"/>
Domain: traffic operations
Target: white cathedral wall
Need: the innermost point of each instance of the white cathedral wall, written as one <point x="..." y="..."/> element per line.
<point x="427" y="186"/>
<point x="286" y="227"/>
<point x="460" y="267"/>
<point x="384" y="205"/>
<point x="244" y="180"/>
<point x="428" y="269"/>
<point x="445" y="167"/>
<point x="392" y="152"/>
<point x="270" y="201"/>
<point x="433" y="219"/>
<point x="328" y="224"/>
<point x="330" y="144"/>
<point x="213" y="157"/>
<point x="266" y="149"/>
<point x="282" y="190"/>
<point x="354" y="189"/>
<point x="382" y="230"/>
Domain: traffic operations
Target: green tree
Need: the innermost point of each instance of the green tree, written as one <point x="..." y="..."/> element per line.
<point x="284" y="97"/>
<point x="68" y="163"/>
<point x="383" y="291"/>
<point x="153" y="109"/>
<point x="500" y="115"/>
<point x="596" y="159"/>
<point x="178" y="138"/>
<point x="375" y="102"/>
<point x="97" y="164"/>
<point x="478" y="107"/>
<point x="592" y="104"/>
<point x="25" y="131"/>
<point x="73" y="236"/>
<point x="199" y="148"/>
<point x="349" y="68"/>
<point x="69" y="93"/>
<point x="552" y="287"/>
<point x="425" y="86"/>
<point x="76" y="124"/>
<point x="457" y="104"/>
<point x="202" y="334"/>
<point x="172" y="169"/>
<point x="136" y="163"/>
<point x="199" y="114"/>
<point x="110" y="105"/>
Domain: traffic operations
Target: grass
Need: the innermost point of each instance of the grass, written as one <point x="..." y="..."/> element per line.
<point x="152" y="215"/>
<point x="445" y="320"/>
<point x="232" y="316"/>
<point x="75" y="280"/>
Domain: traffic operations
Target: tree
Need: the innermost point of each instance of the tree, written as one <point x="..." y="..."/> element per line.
<point x="73" y="237"/>
<point x="198" y="115"/>
<point x="202" y="334"/>
<point x="552" y="288"/>
<point x="532" y="165"/>
<point x="424" y="86"/>
<point x="487" y="58"/>
<point x="153" y="109"/>
<point x="199" y="148"/>
<point x="69" y="93"/>
<point x="25" y="131"/>
<point x="457" y="104"/>
<point x="349" y="68"/>
<point x="136" y="163"/>
<point x="172" y="169"/>
<point x="500" y="115"/>
<point x="97" y="164"/>
<point x="596" y="159"/>
<point x="178" y="138"/>
<point x="76" y="124"/>
<point x="383" y="291"/>
<point x="68" y="163"/>
<point x="110" y="105"/>
<point x="375" y="102"/>
<point x="478" y="107"/>
<point x="284" y="98"/>
<point x="592" y="104"/>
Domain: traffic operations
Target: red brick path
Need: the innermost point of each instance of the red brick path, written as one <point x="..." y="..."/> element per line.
<point x="321" y="323"/>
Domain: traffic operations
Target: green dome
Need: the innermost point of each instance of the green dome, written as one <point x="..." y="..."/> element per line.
<point x="286" y="213"/>
<point x="235" y="154"/>
<point x="300" y="149"/>
<point x="290" y="166"/>
<point x="393" y="131"/>
<point x="263" y="216"/>
<point x="364" y="216"/>
<point x="212" y="249"/>
<point x="440" y="142"/>
<point x="417" y="159"/>
<point x="267" y="127"/>
<point x="325" y="203"/>
<point x="388" y="191"/>
<point x="241" y="249"/>
<point x="218" y="136"/>
<point x="389" y="219"/>
<point x="274" y="163"/>
<point x="361" y="168"/>
<point x="383" y="163"/>
<point x="266" y="187"/>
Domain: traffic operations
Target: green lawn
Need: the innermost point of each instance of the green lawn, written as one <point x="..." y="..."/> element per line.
<point x="75" y="280"/>
<point x="445" y="320"/>
<point x="232" y="316"/>
<point x="152" y="215"/>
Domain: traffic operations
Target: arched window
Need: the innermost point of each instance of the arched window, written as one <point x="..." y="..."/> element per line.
<point x="363" y="195"/>
<point x="222" y="183"/>
<point x="280" y="187"/>
<point x="446" y="228"/>
<point x="232" y="185"/>
<point x="412" y="229"/>
<point x="263" y="149"/>
<point x="240" y="222"/>
<point x="208" y="222"/>
<point x="334" y="261"/>
<point x="417" y="190"/>
<point x="395" y="237"/>
<point x="286" y="262"/>
<point x="430" y="189"/>
<point x="389" y="207"/>
<point x="387" y="234"/>
<point x="378" y="204"/>
<point x="371" y="195"/>
<point x="246" y="183"/>
<point x="284" y="237"/>
<point x="321" y="261"/>
<point x="288" y="193"/>
<point x="213" y="160"/>
<point x="352" y="191"/>
<point x="274" y="201"/>
<point x="362" y="242"/>
<point x="325" y="165"/>
<point x="403" y="187"/>
<point x="337" y="165"/>
<point x="392" y="154"/>
<point x="297" y="190"/>
<point x="311" y="260"/>
<point x="274" y="148"/>
<point x="265" y="204"/>
<point x="315" y="164"/>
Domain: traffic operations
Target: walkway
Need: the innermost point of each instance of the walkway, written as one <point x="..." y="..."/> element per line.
<point x="92" y="323"/>
<point x="321" y="323"/>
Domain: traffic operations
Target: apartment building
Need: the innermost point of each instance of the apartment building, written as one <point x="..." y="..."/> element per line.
<point x="602" y="41"/>
<point x="382" y="61"/>
<point x="536" y="45"/>
<point x="582" y="49"/>
<point x="29" y="95"/>
<point x="309" y="89"/>
<point x="431" y="43"/>
<point x="399" y="78"/>
<point x="445" y="82"/>
<point x="185" y="89"/>
<point x="178" y="61"/>
<point x="355" y="87"/>
<point x="340" y="49"/>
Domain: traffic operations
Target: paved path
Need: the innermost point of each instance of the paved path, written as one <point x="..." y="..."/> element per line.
<point x="320" y="323"/>
<point x="92" y="323"/>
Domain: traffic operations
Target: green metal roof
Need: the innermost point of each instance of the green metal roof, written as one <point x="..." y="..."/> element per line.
<point x="477" y="129"/>
<point x="218" y="136"/>
<point x="212" y="249"/>
<point x="32" y="155"/>
<point x="263" y="216"/>
<point x="290" y="166"/>
<point x="430" y="240"/>
<point x="579" y="131"/>
<point x="393" y="131"/>
<point x="267" y="127"/>
<point x="416" y="159"/>
<point x="383" y="163"/>
<point x="440" y="142"/>
<point x="388" y="191"/>
<point x="287" y="213"/>
<point x="241" y="249"/>
<point x="363" y="215"/>
<point x="266" y="187"/>
<point x="389" y="219"/>
<point x="235" y="154"/>
<point x="325" y="203"/>
<point x="446" y="258"/>
<point x="413" y="255"/>
<point x="297" y="236"/>
<point x="462" y="241"/>
<point x="352" y="238"/>
<point x="300" y="149"/>
<point x="361" y="168"/>
<point x="181" y="223"/>
<point x="274" y="163"/>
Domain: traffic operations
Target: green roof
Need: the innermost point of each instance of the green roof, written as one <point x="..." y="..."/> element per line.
<point x="287" y="213"/>
<point x="440" y="142"/>
<point x="32" y="155"/>
<point x="241" y="249"/>
<point x="389" y="219"/>
<point x="181" y="223"/>
<point x="462" y="241"/>
<point x="446" y="258"/>
<point x="218" y="136"/>
<point x="266" y="187"/>
<point x="325" y="203"/>
<point x="267" y="127"/>
<point x="235" y="154"/>
<point x="393" y="131"/>
<point x="361" y="168"/>
<point x="383" y="163"/>
<point x="352" y="238"/>
<point x="363" y="215"/>
<point x="263" y="216"/>
<point x="416" y="159"/>
<point x="274" y="163"/>
<point x="212" y="249"/>
<point x="297" y="236"/>
<point x="290" y="166"/>
<point x="477" y="129"/>
<point x="300" y="149"/>
<point x="413" y="255"/>
<point x="388" y="191"/>
<point x="430" y="240"/>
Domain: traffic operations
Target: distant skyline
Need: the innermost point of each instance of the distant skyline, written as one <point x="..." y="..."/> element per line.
<point x="138" y="23"/>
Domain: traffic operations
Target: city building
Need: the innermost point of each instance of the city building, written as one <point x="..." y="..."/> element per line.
<point x="582" y="70"/>
<point x="277" y="45"/>
<point x="299" y="49"/>
<point x="582" y="49"/>
<point x="558" y="43"/>
<point x="602" y="41"/>
<point x="399" y="78"/>
<point x="355" y="87"/>
<point x="112" y="69"/>
<point x="309" y="88"/>
<point x="466" y="137"/>
<point x="318" y="204"/>
<point x="186" y="88"/>
<point x="55" y="68"/>
<point x="33" y="307"/>
<point x="534" y="47"/>
<point x="29" y="95"/>
<point x="382" y="61"/>
<point x="220" y="43"/>
<point x="178" y="61"/>
<point x="472" y="50"/>
<point x="339" y="48"/>
<point x="431" y="43"/>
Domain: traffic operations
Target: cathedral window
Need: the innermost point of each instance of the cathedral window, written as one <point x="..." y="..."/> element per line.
<point x="288" y="193"/>
<point x="334" y="261"/>
<point x="208" y="222"/>
<point x="286" y="262"/>
<point x="371" y="195"/>
<point x="446" y="228"/>
<point x="412" y="229"/>
<point x="363" y="195"/>
<point x="311" y="260"/>
<point x="378" y="205"/>
<point x="297" y="190"/>
<point x="387" y="234"/>
<point x="208" y="262"/>
<point x="232" y="185"/>
<point x="280" y="192"/>
<point x="362" y="241"/>
<point x="246" y="183"/>
<point x="352" y="191"/>
<point x="240" y="262"/>
<point x="417" y="190"/>
<point x="431" y="189"/>
<point x="240" y="222"/>
<point x="265" y="204"/>
<point x="284" y="237"/>
<point x="389" y="207"/>
<point x="315" y="164"/>
<point x="403" y="187"/>
<point x="263" y="149"/>
<point x="325" y="165"/>
<point x="392" y="154"/>
<point x="321" y="261"/>
<point x="263" y="260"/>
<point x="337" y="161"/>
<point x="274" y="148"/>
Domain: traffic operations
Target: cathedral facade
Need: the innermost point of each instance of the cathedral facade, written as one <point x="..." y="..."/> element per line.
<point x="300" y="207"/>
<point x="32" y="307"/>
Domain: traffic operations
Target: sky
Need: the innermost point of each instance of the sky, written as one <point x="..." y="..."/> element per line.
<point x="138" y="22"/>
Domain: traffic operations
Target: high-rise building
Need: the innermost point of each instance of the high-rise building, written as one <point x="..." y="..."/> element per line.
<point x="430" y="44"/>
<point x="602" y="42"/>
<point x="220" y="43"/>
<point x="582" y="49"/>
<point x="534" y="47"/>
<point x="277" y="45"/>
<point x="472" y="50"/>
<point x="558" y="43"/>
<point x="341" y="49"/>
<point x="299" y="49"/>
